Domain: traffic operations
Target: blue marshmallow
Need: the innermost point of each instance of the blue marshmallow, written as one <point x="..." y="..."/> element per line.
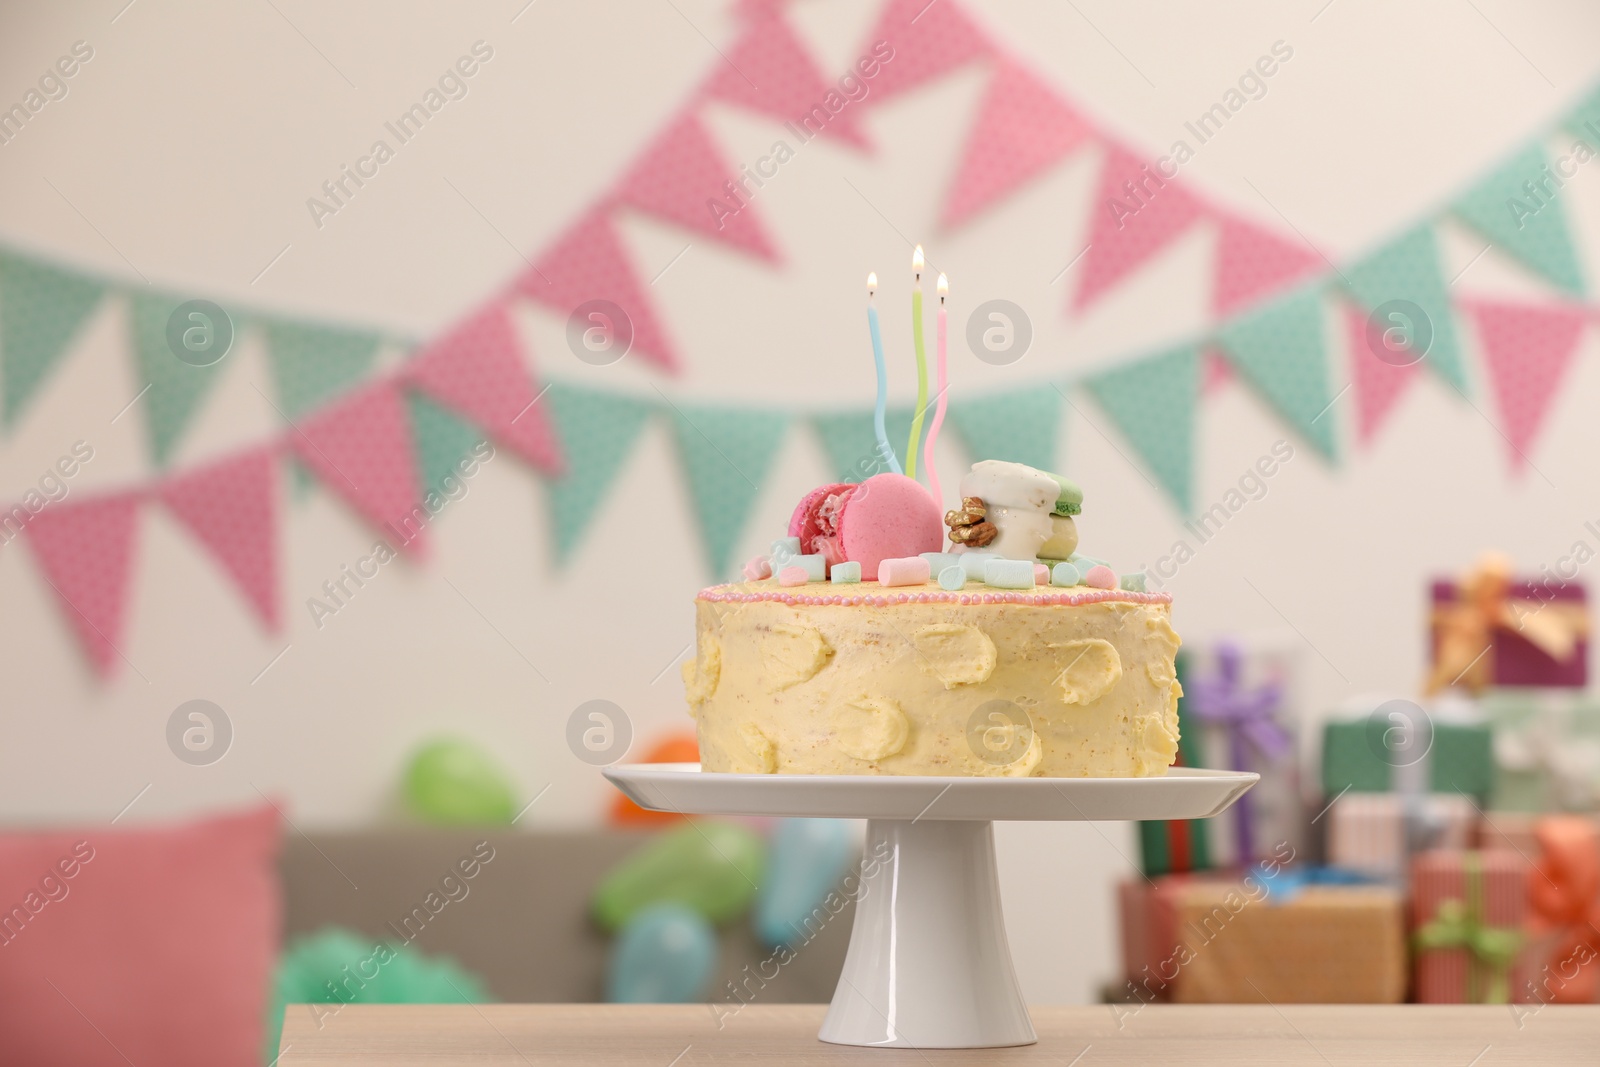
<point x="848" y="573"/>
<point x="1065" y="574"/>
<point x="952" y="578"/>
<point x="1009" y="573"/>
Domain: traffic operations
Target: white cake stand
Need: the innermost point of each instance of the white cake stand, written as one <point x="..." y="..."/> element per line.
<point x="928" y="964"/>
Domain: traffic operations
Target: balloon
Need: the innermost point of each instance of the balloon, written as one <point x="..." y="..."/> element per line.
<point x="674" y="748"/>
<point x="807" y="859"/>
<point x="664" y="955"/>
<point x="452" y="780"/>
<point x="712" y="867"/>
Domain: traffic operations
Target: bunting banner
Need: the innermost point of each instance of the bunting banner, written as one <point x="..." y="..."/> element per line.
<point x="791" y="86"/>
<point x="1404" y="272"/>
<point x="1135" y="214"/>
<point x="726" y="454"/>
<point x="1252" y="263"/>
<point x="85" y="551"/>
<point x="1526" y="351"/>
<point x="360" y="449"/>
<point x="1518" y="207"/>
<point x="387" y="436"/>
<point x="1281" y="351"/>
<point x="41" y="309"/>
<point x="1152" y="402"/>
<point x="1378" y="376"/>
<point x="1021" y="426"/>
<point x="230" y="506"/>
<point x="682" y="178"/>
<point x="478" y="370"/>
<point x="1023" y="129"/>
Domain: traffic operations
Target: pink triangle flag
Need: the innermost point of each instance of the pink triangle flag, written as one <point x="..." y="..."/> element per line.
<point x="1022" y="128"/>
<point x="1215" y="372"/>
<point x="587" y="264"/>
<point x="915" y="40"/>
<point x="232" y="507"/>
<point x="477" y="369"/>
<point x="1378" y="374"/>
<point x="1252" y="263"/>
<point x="361" y="449"/>
<point x="682" y="177"/>
<point x="1527" y="349"/>
<point x="86" y="553"/>
<point x="768" y="70"/>
<point x="1137" y="211"/>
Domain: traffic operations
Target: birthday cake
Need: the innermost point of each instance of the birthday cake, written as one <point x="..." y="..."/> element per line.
<point x="863" y="645"/>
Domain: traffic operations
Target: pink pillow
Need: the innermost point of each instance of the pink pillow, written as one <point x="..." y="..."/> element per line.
<point x="154" y="946"/>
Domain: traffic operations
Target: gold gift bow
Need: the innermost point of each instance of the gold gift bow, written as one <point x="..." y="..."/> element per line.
<point x="1464" y="629"/>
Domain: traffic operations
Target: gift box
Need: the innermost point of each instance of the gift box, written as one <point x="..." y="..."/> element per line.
<point x="1205" y="938"/>
<point x="1459" y="757"/>
<point x="1564" y="913"/>
<point x="1468" y="910"/>
<point x="1546" y="750"/>
<point x="1491" y="629"/>
<point x="1377" y="833"/>
<point x="1237" y="706"/>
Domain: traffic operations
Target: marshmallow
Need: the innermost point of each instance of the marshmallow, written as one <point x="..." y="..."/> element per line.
<point x="1041" y="574"/>
<point x="1100" y="577"/>
<point x="793" y="576"/>
<point x="1133" y="583"/>
<point x="952" y="579"/>
<point x="815" y="565"/>
<point x="758" y="568"/>
<point x="908" y="570"/>
<point x="1009" y="573"/>
<point x="846" y="573"/>
<point x="1065" y="574"/>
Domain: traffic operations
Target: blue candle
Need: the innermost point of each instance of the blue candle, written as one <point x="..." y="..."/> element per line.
<point x="885" y="450"/>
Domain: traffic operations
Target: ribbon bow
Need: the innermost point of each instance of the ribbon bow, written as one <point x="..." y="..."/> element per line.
<point x="1247" y="716"/>
<point x="1460" y="924"/>
<point x="1564" y="892"/>
<point x="1464" y="629"/>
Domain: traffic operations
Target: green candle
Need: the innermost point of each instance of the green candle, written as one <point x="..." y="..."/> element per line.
<point x="922" y="362"/>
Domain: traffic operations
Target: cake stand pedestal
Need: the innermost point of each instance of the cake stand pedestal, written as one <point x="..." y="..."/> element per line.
<point x="928" y="964"/>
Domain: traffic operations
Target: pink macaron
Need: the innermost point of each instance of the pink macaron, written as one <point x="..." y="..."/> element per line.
<point x="888" y="516"/>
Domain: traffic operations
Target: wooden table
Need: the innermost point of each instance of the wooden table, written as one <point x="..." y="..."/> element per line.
<point x="551" y="1035"/>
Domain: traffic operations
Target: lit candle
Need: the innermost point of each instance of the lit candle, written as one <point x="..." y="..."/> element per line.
<point x="885" y="452"/>
<point x="939" y="398"/>
<point x="922" y="361"/>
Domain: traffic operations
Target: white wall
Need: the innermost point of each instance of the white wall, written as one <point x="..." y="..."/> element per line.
<point x="188" y="145"/>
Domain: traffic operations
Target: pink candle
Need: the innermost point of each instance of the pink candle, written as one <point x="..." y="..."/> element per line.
<point x="939" y="399"/>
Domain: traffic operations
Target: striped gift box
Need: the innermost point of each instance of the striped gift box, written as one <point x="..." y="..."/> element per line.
<point x="1369" y="832"/>
<point x="1468" y="918"/>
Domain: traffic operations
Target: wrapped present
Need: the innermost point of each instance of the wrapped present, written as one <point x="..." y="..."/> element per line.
<point x="1564" y="901"/>
<point x="1468" y="909"/>
<point x="1457" y="757"/>
<point x="1490" y="629"/>
<point x="1546" y="750"/>
<point x="1510" y="830"/>
<point x="1238" y="711"/>
<point x="1328" y="944"/>
<point x="1377" y="833"/>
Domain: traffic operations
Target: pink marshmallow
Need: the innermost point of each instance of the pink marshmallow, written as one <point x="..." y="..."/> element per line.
<point x="793" y="576"/>
<point x="1100" y="577"/>
<point x="758" y="568"/>
<point x="1041" y="574"/>
<point x="909" y="570"/>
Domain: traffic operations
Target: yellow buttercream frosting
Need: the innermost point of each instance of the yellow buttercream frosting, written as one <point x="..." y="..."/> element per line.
<point x="786" y="682"/>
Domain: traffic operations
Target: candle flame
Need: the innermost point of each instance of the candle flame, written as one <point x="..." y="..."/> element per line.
<point x="872" y="282"/>
<point x="944" y="287"/>
<point x="916" y="260"/>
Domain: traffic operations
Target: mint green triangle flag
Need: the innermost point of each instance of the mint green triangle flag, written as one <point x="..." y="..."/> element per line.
<point x="726" y="453"/>
<point x="442" y="439"/>
<point x="1408" y="270"/>
<point x="596" y="431"/>
<point x="1280" y="350"/>
<point x="1584" y="120"/>
<point x="175" y="388"/>
<point x="40" y="309"/>
<point x="852" y="446"/>
<point x="312" y="363"/>
<point x="1019" y="426"/>
<point x="1519" y="208"/>
<point x="1153" y="403"/>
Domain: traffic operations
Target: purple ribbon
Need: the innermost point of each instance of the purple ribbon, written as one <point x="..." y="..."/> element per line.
<point x="1247" y="717"/>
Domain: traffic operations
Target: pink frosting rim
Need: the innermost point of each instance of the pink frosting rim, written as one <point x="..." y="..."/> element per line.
<point x="724" y="594"/>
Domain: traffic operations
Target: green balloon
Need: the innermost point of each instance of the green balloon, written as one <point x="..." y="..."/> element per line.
<point x="452" y="780"/>
<point x="712" y="867"/>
